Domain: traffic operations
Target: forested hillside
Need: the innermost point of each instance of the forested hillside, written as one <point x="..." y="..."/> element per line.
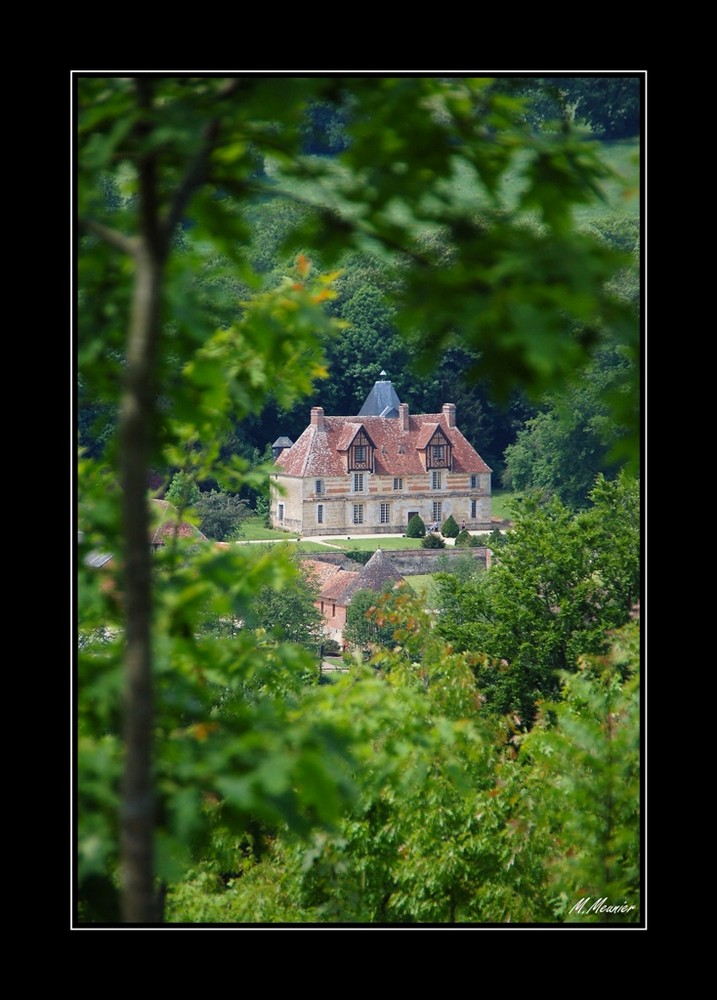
<point x="248" y="247"/>
<point x="367" y="290"/>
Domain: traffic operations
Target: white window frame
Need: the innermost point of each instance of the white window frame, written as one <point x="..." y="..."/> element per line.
<point x="385" y="513"/>
<point x="319" y="513"/>
<point x="358" y="513"/>
<point x="436" y="480"/>
<point x="437" y="511"/>
<point x="358" y="482"/>
<point x="398" y="482"/>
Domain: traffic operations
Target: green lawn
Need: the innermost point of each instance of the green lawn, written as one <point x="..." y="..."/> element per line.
<point x="374" y="541"/>
<point x="499" y="503"/>
<point x="253" y="530"/>
<point x="421" y="584"/>
<point x="308" y="546"/>
<point x="293" y="546"/>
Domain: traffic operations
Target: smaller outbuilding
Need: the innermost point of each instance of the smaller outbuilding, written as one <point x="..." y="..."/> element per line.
<point x="337" y="585"/>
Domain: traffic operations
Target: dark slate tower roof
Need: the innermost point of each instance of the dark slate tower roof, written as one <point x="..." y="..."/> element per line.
<point x="279" y="445"/>
<point x="382" y="401"/>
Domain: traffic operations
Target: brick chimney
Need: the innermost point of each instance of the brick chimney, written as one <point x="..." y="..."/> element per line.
<point x="403" y="415"/>
<point x="317" y="417"/>
<point x="449" y="412"/>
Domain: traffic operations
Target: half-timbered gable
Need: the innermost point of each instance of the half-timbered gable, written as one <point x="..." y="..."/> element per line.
<point x="435" y="448"/>
<point x="358" y="449"/>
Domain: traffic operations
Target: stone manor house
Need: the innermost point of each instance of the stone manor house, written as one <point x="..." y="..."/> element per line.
<point x="371" y="473"/>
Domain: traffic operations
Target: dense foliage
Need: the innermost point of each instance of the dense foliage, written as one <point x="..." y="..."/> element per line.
<point x="452" y="823"/>
<point x="221" y="514"/>
<point x="366" y="628"/>
<point x="573" y="439"/>
<point x="559" y="584"/>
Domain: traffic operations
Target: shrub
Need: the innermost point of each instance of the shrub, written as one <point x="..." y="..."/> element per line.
<point x="221" y="514"/>
<point x="331" y="648"/>
<point x="450" y="527"/>
<point x="495" y="540"/>
<point x="416" y="527"/>
<point x="183" y="492"/>
<point x="433" y="542"/>
<point x="464" y="540"/>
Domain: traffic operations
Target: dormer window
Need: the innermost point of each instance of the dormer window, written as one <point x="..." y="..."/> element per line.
<point x="439" y="451"/>
<point x="360" y="452"/>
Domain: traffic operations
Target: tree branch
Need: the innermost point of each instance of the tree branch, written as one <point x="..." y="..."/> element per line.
<point x="111" y="236"/>
<point x="194" y="178"/>
<point x="198" y="169"/>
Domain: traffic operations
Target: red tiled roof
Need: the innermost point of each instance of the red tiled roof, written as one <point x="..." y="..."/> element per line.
<point x="169" y="527"/>
<point x="339" y="585"/>
<point x="334" y="583"/>
<point x="318" y="452"/>
<point x="342" y="587"/>
<point x="319" y="572"/>
<point x="424" y="435"/>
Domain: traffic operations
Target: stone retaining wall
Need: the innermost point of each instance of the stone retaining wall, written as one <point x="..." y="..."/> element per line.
<point x="410" y="562"/>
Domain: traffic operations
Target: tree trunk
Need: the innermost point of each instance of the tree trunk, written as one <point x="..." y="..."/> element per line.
<point x="137" y="423"/>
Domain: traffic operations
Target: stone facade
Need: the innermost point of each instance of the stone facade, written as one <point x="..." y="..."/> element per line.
<point x="370" y="474"/>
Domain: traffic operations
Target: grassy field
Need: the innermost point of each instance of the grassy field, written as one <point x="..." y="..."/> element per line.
<point x="308" y="546"/>
<point x="292" y="545"/>
<point x="499" y="503"/>
<point x="253" y="530"/>
<point x="421" y="584"/>
<point x="372" y="543"/>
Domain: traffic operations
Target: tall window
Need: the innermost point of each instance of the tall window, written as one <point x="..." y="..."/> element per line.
<point x="358" y="513"/>
<point x="474" y="482"/>
<point x="358" y="482"/>
<point x="360" y="453"/>
<point x="437" y="450"/>
<point x="437" y="510"/>
<point x="398" y="483"/>
<point x="319" y="487"/>
<point x="436" y="480"/>
<point x="385" y="516"/>
<point x="281" y="512"/>
<point x="474" y="509"/>
<point x="319" y="513"/>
